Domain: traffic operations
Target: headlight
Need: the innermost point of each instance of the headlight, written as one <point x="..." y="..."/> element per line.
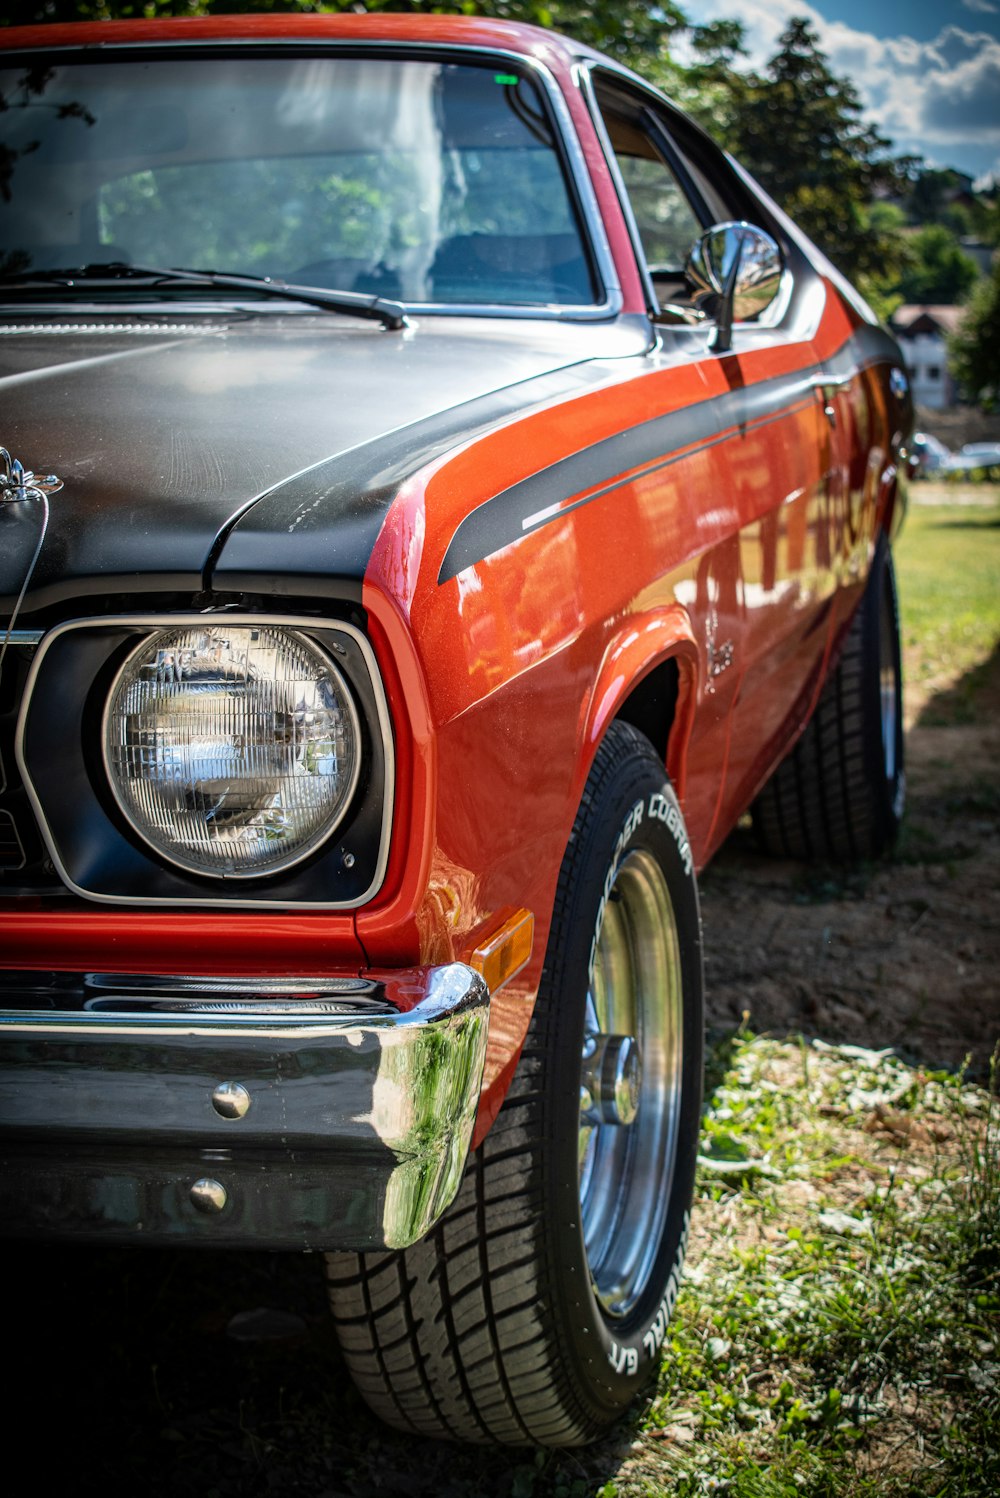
<point x="231" y="750"/>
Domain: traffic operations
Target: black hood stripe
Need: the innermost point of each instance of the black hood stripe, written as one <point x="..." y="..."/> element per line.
<point x="655" y="444"/>
<point x="554" y="512"/>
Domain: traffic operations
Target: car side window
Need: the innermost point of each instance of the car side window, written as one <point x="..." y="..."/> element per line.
<point x="667" y="211"/>
<point x="671" y="198"/>
<point x="667" y="223"/>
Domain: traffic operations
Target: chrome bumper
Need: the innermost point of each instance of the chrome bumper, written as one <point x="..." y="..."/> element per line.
<point x="288" y="1114"/>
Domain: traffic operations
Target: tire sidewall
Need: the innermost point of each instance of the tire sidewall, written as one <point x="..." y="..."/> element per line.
<point x="888" y="793"/>
<point x="639" y="811"/>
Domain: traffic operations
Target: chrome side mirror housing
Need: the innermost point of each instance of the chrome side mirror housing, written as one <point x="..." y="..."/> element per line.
<point x="735" y="269"/>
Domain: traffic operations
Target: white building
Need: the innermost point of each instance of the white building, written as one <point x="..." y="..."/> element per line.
<point x="922" y="332"/>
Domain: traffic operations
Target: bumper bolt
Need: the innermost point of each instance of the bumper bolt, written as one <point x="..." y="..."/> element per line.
<point x="208" y="1195"/>
<point x="230" y="1100"/>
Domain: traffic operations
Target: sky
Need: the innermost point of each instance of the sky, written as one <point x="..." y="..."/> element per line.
<point x="928" y="73"/>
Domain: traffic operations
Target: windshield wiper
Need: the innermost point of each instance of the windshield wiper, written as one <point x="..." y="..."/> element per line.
<point x="356" y="304"/>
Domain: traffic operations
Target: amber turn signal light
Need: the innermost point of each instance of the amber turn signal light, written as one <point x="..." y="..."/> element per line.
<point x="500" y="956"/>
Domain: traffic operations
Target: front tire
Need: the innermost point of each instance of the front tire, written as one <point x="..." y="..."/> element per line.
<point x="537" y="1307"/>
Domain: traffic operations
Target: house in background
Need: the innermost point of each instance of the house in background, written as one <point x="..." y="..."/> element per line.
<point x="923" y="332"/>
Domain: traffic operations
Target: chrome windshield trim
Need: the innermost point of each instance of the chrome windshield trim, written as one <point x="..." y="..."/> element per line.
<point x="152" y="623"/>
<point x="211" y="306"/>
<point x="587" y="88"/>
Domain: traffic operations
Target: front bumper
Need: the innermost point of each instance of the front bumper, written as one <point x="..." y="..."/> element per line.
<point x="333" y="1114"/>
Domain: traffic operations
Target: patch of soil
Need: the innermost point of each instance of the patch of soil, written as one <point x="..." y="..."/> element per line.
<point x="904" y="953"/>
<point x="959" y="424"/>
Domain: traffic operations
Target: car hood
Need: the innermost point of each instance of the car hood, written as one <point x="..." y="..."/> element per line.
<point x="165" y="432"/>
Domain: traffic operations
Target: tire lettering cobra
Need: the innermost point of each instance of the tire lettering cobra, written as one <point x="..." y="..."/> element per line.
<point x="666" y="812"/>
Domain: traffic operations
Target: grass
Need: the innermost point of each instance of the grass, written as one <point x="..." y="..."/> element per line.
<point x="843" y="1334"/>
<point x="948" y="561"/>
<point x="840" y="1333"/>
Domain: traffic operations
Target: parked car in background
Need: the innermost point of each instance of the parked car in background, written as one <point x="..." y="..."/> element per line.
<point x="440" y="494"/>
<point x="975" y="455"/>
<point x="931" y="455"/>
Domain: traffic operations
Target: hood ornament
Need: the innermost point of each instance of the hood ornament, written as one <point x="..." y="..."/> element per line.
<point x="15" y="484"/>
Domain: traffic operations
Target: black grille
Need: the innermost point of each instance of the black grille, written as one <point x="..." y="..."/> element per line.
<point x="11" y="853"/>
<point x="25" y="866"/>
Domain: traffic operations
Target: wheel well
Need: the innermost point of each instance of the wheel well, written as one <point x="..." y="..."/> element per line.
<point x="652" y="703"/>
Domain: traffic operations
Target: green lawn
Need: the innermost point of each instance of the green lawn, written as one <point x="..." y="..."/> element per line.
<point x="948" y="566"/>
<point x="841" y="1331"/>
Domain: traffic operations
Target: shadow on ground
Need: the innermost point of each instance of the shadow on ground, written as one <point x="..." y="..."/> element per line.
<point x="973" y="700"/>
<point x="128" y="1380"/>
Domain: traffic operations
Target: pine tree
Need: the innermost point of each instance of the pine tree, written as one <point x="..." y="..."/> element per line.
<point x="800" y="130"/>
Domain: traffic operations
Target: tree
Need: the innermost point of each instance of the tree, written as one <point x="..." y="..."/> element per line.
<point x="710" y="86"/>
<point x="940" y="270"/>
<point x="975" y="347"/>
<point x="940" y="195"/>
<point x="985" y="216"/>
<point x="799" y="128"/>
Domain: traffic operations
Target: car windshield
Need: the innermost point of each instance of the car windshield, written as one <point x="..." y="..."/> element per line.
<point x="422" y="180"/>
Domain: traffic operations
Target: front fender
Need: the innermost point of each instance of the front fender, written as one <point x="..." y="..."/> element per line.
<point x="644" y="642"/>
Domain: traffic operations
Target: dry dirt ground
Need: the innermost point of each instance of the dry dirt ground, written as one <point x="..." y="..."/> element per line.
<point x="903" y="954"/>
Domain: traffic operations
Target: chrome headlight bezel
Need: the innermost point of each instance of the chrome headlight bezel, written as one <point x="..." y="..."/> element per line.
<point x="96" y="851"/>
<point x="175" y="854"/>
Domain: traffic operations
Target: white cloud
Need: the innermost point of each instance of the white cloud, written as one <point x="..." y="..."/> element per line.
<point x="940" y="98"/>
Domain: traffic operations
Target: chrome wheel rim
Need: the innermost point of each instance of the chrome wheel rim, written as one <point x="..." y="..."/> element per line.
<point x="888" y="684"/>
<point x="630" y="1093"/>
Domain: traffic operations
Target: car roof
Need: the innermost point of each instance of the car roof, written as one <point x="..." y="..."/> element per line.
<point x="459" y="31"/>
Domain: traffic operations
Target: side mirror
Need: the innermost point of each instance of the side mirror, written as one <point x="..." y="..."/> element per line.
<point x="735" y="269"/>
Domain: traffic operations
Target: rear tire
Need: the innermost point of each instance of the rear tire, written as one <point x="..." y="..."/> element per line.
<point x="840" y="793"/>
<point x="536" y="1308"/>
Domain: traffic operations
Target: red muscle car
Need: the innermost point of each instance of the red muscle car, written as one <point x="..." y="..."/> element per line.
<point x="439" y="495"/>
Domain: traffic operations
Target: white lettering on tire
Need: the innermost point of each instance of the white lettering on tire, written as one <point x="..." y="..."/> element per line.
<point x="623" y="1359"/>
<point x="666" y="812"/>
<point x="652" y="1340"/>
<point x="626" y="1359"/>
<point x="661" y="808"/>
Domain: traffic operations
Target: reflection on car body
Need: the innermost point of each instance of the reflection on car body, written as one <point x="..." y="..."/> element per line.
<point x="475" y="495"/>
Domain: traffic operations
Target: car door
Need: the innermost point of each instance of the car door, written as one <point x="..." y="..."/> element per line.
<point x="762" y="526"/>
